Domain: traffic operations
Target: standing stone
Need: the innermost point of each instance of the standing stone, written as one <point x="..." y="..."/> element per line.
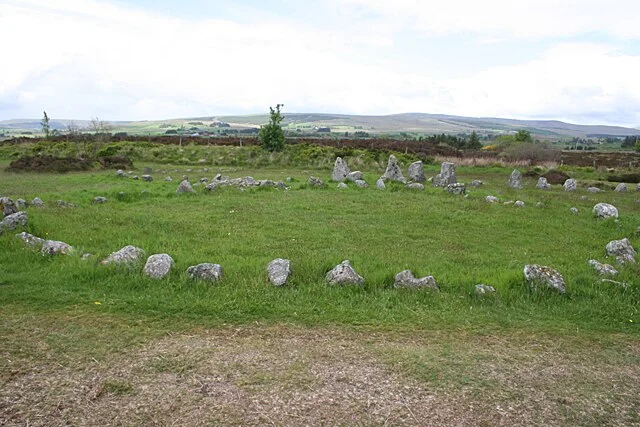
<point x="416" y="172"/>
<point x="484" y="289"/>
<point x="30" y="239"/>
<point x="7" y="206"/>
<point x="380" y="185"/>
<point x="605" y="211"/>
<point x="603" y="269"/>
<point x="185" y="187"/>
<point x="355" y="176"/>
<point x="415" y="186"/>
<point x="54" y="247"/>
<point x="622" y="250"/>
<point x="127" y="255"/>
<point x="542" y="183"/>
<point x="315" y="182"/>
<point x="456" y="188"/>
<point x="393" y="172"/>
<point x="515" y="180"/>
<point x="206" y="272"/>
<point x="405" y="279"/>
<point x="621" y="188"/>
<point x="446" y="176"/>
<point x="278" y="271"/>
<point x="570" y="185"/>
<point x="37" y="202"/>
<point x="158" y="266"/>
<point x="340" y="170"/>
<point x="539" y="275"/>
<point x="342" y="186"/>
<point x="344" y="274"/>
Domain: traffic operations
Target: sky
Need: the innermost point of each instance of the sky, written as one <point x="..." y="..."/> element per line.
<point x="571" y="60"/>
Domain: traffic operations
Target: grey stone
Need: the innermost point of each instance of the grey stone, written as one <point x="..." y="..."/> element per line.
<point x="605" y="211"/>
<point x="147" y="178"/>
<point x="415" y="186"/>
<point x="593" y="190"/>
<point x="584" y="198"/>
<point x="476" y="183"/>
<point x="278" y="271"/>
<point x="447" y="175"/>
<point x="416" y="172"/>
<point x="483" y="289"/>
<point x="342" y="186"/>
<point x="457" y="188"/>
<point x="574" y="210"/>
<point x="621" y="188"/>
<point x="380" y="185"/>
<point x="204" y="180"/>
<point x="491" y="199"/>
<point x="570" y="185"/>
<point x="603" y="269"/>
<point x="8" y="206"/>
<point x="86" y="257"/>
<point x="135" y="177"/>
<point x="405" y="279"/>
<point x="519" y="204"/>
<point x="37" y="202"/>
<point x="30" y="239"/>
<point x="99" y="199"/>
<point x="622" y="250"/>
<point x="393" y="172"/>
<point x="355" y="176"/>
<point x="515" y="179"/>
<point x="344" y="274"/>
<point x="542" y="276"/>
<point x="340" y="170"/>
<point x="54" y="247"/>
<point x="206" y="272"/>
<point x="21" y="204"/>
<point x="542" y="183"/>
<point x="127" y="255"/>
<point x="158" y="266"/>
<point x="362" y="183"/>
<point x="185" y="187"/>
<point x="315" y="182"/>
<point x="168" y="179"/>
<point x="121" y="173"/>
<point x="13" y="221"/>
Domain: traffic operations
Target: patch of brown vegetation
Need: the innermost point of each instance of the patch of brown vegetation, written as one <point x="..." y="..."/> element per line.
<point x="283" y="375"/>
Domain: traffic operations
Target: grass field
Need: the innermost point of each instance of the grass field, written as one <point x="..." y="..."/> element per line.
<point x="80" y="340"/>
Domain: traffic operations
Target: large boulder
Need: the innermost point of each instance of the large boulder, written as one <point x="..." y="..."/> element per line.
<point x="406" y="279"/>
<point x="127" y="255"/>
<point x="344" y="274"/>
<point x="30" y="239"/>
<point x="515" y="179"/>
<point x="416" y="172"/>
<point x="446" y="176"/>
<point x="622" y="251"/>
<point x="278" y="271"/>
<point x="185" y="187"/>
<point x="605" y="211"/>
<point x="8" y="206"/>
<point x="340" y="170"/>
<point x="393" y="172"/>
<point x="541" y="276"/>
<point x="542" y="183"/>
<point x="570" y="185"/>
<point x="603" y="269"/>
<point x="206" y="272"/>
<point x="54" y="247"/>
<point x="158" y="266"/>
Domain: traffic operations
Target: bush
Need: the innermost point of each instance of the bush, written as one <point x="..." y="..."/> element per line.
<point x="271" y="135"/>
<point x="535" y="152"/>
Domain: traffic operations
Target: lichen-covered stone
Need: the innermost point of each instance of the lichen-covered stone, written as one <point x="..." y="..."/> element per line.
<point x="622" y="251"/>
<point x="543" y="184"/>
<point x="278" y="271"/>
<point x="570" y="185"/>
<point x="54" y="247"/>
<point x="406" y="279"/>
<point x="605" y="211"/>
<point x="541" y="276"/>
<point x="603" y="269"/>
<point x="158" y="266"/>
<point x="621" y="188"/>
<point x="457" y="188"/>
<point x="344" y="274"/>
<point x="447" y="175"/>
<point x="340" y="170"/>
<point x="127" y="255"/>
<point x="206" y="272"/>
<point x="483" y="289"/>
<point x="185" y="187"/>
<point x="416" y="172"/>
<point x="393" y="172"/>
<point x="30" y="239"/>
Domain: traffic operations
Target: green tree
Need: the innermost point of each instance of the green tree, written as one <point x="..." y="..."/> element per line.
<point x="271" y="135"/>
<point x="523" y="136"/>
<point x="474" y="142"/>
<point x="45" y="125"/>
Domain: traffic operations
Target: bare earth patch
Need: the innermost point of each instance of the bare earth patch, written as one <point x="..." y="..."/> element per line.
<point x="287" y="375"/>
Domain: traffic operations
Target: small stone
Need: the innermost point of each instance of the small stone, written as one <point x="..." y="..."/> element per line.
<point x="8" y="206"/>
<point x="457" y="188"/>
<point x="278" y="271"/>
<point x="206" y="272"/>
<point x="87" y="256"/>
<point x="603" y="269"/>
<point x="147" y="178"/>
<point x="519" y="204"/>
<point x="584" y="198"/>
<point x="362" y="183"/>
<point x="344" y="274"/>
<point x="605" y="211"/>
<point x="484" y="289"/>
<point x="168" y="179"/>
<point x="21" y="204"/>
<point x="593" y="190"/>
<point x="515" y="180"/>
<point x="127" y="255"/>
<point x="135" y="177"/>
<point x="185" y="187"/>
<point x="574" y="210"/>
<point x="380" y="185"/>
<point x="204" y="180"/>
<point x="30" y="239"/>
<point x="539" y="204"/>
<point x="342" y="186"/>
<point x="621" y="188"/>
<point x="415" y="186"/>
<point x="405" y="279"/>
<point x="416" y="172"/>
<point x="538" y="275"/>
<point x="543" y="184"/>
<point x="570" y="185"/>
<point x="476" y="183"/>
<point x="315" y="182"/>
<point x="54" y="247"/>
<point x="37" y="202"/>
<point x="158" y="266"/>
<point x="393" y="172"/>
<point x="99" y="199"/>
<point x="491" y="199"/>
<point x="622" y="250"/>
<point x="340" y="170"/>
<point x="355" y="176"/>
<point x="121" y="173"/>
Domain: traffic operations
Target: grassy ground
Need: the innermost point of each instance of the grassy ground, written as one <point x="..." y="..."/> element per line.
<point x="80" y="339"/>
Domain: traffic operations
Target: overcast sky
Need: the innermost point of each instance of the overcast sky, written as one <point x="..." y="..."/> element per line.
<point x="572" y="60"/>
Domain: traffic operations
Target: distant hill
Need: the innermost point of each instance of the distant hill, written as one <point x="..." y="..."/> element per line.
<point x="409" y="122"/>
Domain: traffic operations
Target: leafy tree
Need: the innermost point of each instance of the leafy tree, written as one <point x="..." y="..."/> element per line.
<point x="474" y="142"/>
<point x="271" y="135"/>
<point x="523" y="136"/>
<point x="45" y="125"/>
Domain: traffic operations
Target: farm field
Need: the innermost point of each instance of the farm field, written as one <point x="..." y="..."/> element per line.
<point x="83" y="342"/>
